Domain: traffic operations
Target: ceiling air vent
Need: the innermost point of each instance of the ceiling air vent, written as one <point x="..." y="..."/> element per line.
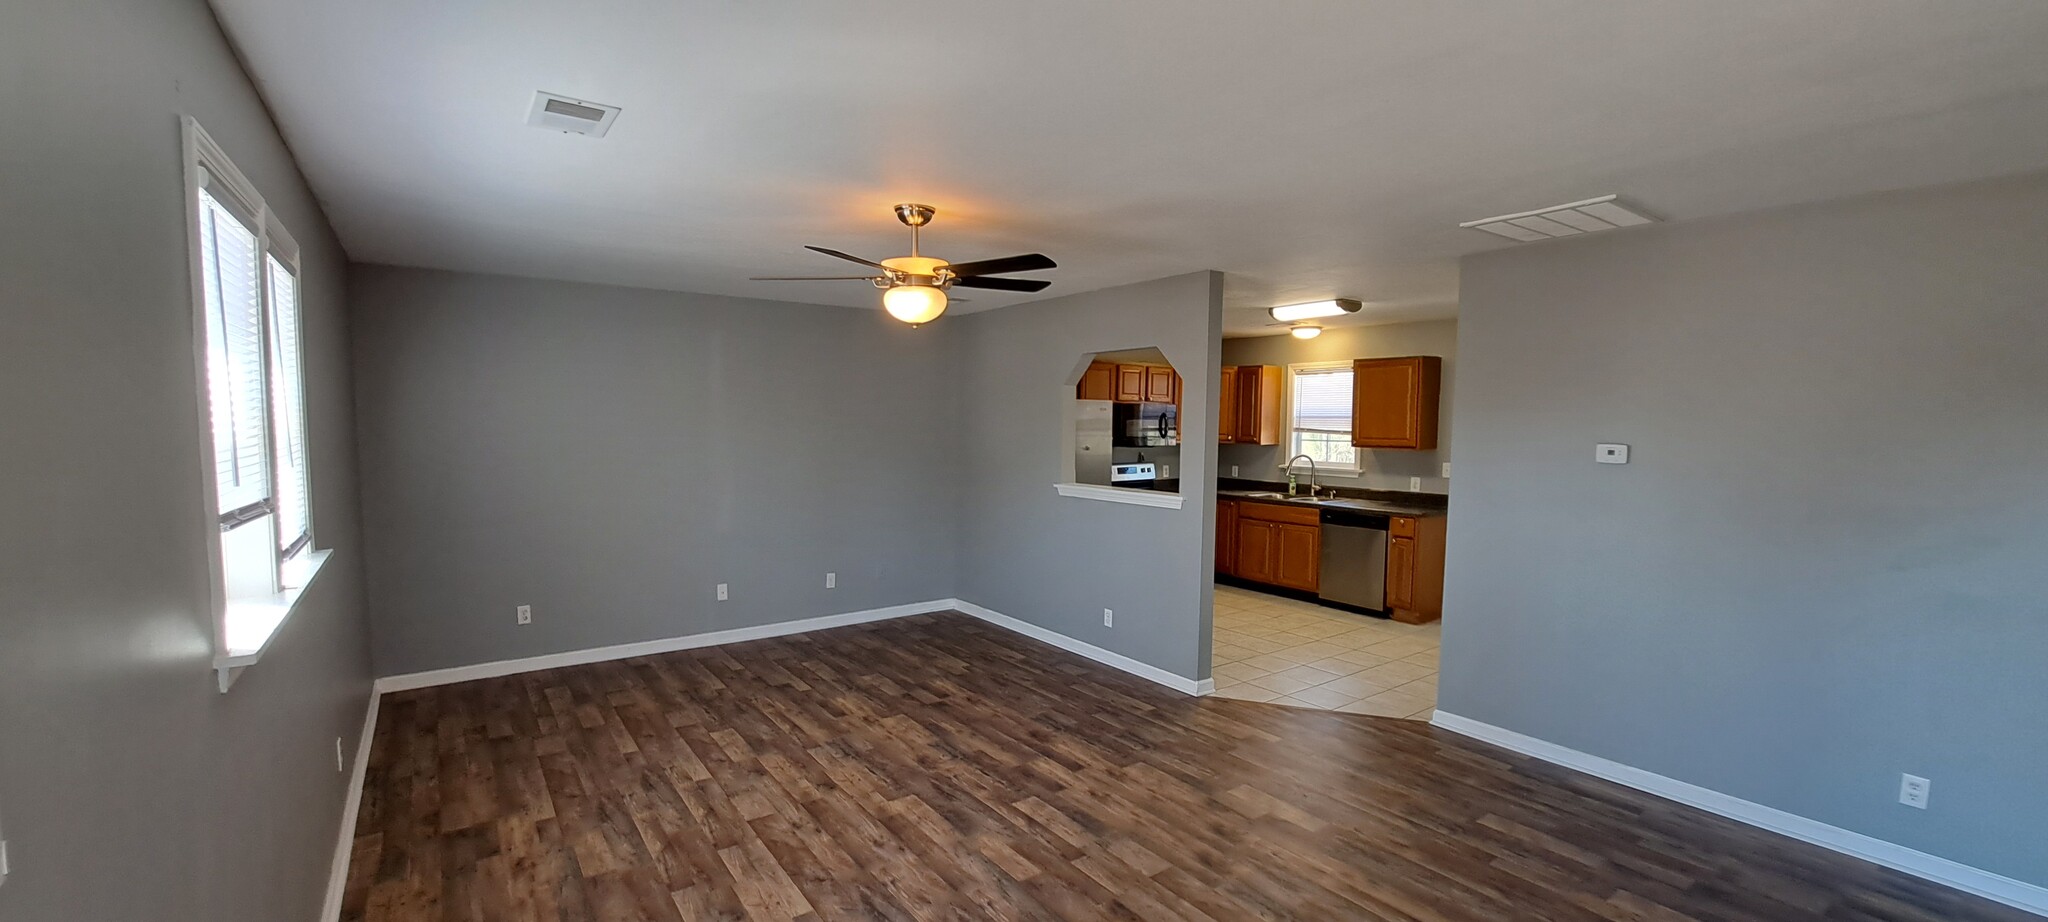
<point x="573" y="116"/>
<point x="1570" y="220"/>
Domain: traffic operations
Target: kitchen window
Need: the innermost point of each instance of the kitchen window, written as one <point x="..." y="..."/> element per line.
<point x="246" y="282"/>
<point x="1319" y="416"/>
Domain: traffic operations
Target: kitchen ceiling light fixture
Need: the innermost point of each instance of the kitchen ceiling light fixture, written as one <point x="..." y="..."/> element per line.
<point x="1305" y="331"/>
<point x="914" y="287"/>
<point x="1568" y="220"/>
<point x="1314" y="309"/>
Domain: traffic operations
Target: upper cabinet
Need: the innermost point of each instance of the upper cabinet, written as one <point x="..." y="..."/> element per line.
<point x="1249" y="399"/>
<point x="1394" y="401"/>
<point x="1123" y="383"/>
<point x="1098" y="382"/>
<point x="1162" y="385"/>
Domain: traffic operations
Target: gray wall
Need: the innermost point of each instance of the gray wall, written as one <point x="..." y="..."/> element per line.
<point x="608" y="455"/>
<point x="130" y="787"/>
<point x="1824" y="565"/>
<point x="1058" y="561"/>
<point x="1379" y="470"/>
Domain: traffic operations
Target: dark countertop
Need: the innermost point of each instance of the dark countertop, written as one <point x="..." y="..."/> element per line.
<point x="1389" y="502"/>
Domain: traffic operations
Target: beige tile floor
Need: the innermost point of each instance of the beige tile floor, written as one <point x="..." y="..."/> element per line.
<point x="1276" y="649"/>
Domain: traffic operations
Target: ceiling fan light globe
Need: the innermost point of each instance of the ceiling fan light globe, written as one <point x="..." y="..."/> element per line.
<point x="914" y="304"/>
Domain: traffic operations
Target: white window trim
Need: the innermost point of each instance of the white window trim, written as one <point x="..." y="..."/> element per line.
<point x="204" y="157"/>
<point x="1351" y="472"/>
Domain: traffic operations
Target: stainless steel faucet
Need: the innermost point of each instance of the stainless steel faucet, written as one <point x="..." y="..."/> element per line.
<point x="1314" y="485"/>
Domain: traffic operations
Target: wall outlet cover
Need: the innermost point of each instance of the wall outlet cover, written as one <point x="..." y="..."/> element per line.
<point x="1913" y="791"/>
<point x="1414" y="484"/>
<point x="1611" y="453"/>
<point x="1233" y="470"/>
<point x="722" y="592"/>
<point x="1108" y="618"/>
<point x="525" y="614"/>
<point x="831" y="580"/>
<point x="1447" y="470"/>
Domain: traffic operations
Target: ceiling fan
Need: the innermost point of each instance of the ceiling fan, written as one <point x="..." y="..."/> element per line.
<point x="914" y="287"/>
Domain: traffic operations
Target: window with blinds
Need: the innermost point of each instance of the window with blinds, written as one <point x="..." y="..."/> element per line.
<point x="247" y="284"/>
<point x="1319" y="417"/>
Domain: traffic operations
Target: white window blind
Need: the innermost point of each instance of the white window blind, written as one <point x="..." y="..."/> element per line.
<point x="229" y="265"/>
<point x="1320" y="417"/>
<point x="294" y="521"/>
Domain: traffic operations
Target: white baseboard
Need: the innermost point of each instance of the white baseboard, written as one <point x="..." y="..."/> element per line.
<point x="650" y="647"/>
<point x="1178" y="683"/>
<point x="2015" y="893"/>
<point x="337" y="873"/>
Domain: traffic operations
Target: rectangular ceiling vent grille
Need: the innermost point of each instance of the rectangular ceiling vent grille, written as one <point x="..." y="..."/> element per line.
<point x="573" y="116"/>
<point x="1569" y="220"/>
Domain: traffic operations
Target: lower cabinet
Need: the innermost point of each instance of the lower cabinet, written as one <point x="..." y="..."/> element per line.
<point x="1415" y="568"/>
<point x="1401" y="573"/>
<point x="1255" y="550"/>
<point x="1279" y="545"/>
<point x="1298" y="552"/>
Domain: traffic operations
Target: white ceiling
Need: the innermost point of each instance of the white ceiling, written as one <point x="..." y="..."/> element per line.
<point x="1307" y="149"/>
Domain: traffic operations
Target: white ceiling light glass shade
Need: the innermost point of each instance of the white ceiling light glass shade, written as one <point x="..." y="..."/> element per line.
<point x="914" y="304"/>
<point x="1305" y="331"/>
<point x="1314" y="309"/>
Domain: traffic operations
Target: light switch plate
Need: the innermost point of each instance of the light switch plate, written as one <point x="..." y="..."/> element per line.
<point x="1611" y="453"/>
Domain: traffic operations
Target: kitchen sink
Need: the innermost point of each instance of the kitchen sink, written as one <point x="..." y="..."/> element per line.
<point x="1267" y="495"/>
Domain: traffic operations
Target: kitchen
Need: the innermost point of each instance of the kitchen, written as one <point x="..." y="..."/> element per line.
<point x="1332" y="514"/>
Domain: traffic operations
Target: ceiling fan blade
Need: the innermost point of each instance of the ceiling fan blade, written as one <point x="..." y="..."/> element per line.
<point x="1002" y="266"/>
<point x="1003" y="284"/>
<point x="846" y="256"/>
<point x="810" y="278"/>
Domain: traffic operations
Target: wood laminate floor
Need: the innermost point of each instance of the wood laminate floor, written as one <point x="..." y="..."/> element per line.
<point x="939" y="768"/>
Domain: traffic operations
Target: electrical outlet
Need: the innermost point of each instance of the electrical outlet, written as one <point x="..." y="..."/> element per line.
<point x="721" y="592"/>
<point x="1447" y="470"/>
<point x="337" y="755"/>
<point x="1414" y="484"/>
<point x="1233" y="470"/>
<point x="1913" y="791"/>
<point x="525" y="614"/>
<point x="1108" y="618"/>
<point x="831" y="580"/>
<point x="3" y="861"/>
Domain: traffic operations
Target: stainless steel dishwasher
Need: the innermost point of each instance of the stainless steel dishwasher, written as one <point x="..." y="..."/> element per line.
<point x="1354" y="561"/>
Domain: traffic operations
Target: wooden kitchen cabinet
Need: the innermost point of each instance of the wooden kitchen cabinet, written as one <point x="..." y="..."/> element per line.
<point x="1298" y="551"/>
<point x="1394" y="402"/>
<point x="1226" y="537"/>
<point x="1280" y="545"/>
<point x="1159" y="384"/>
<point x="1415" y="568"/>
<point x="1250" y="402"/>
<point x="1130" y="384"/>
<point x="1254" y="552"/>
<point x="1098" y="382"/>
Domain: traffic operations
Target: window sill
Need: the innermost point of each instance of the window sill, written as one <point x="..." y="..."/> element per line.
<point x="252" y="623"/>
<point x="1126" y="495"/>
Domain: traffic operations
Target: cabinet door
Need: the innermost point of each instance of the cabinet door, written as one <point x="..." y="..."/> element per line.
<point x="1258" y="404"/>
<point x="1401" y="573"/>
<point x="1098" y="382"/>
<point x="1130" y="384"/>
<point x="1158" y="384"/>
<point x="1299" y="552"/>
<point x="1226" y="402"/>
<point x="1394" y="402"/>
<point x="1226" y="537"/>
<point x="1255" y="550"/>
